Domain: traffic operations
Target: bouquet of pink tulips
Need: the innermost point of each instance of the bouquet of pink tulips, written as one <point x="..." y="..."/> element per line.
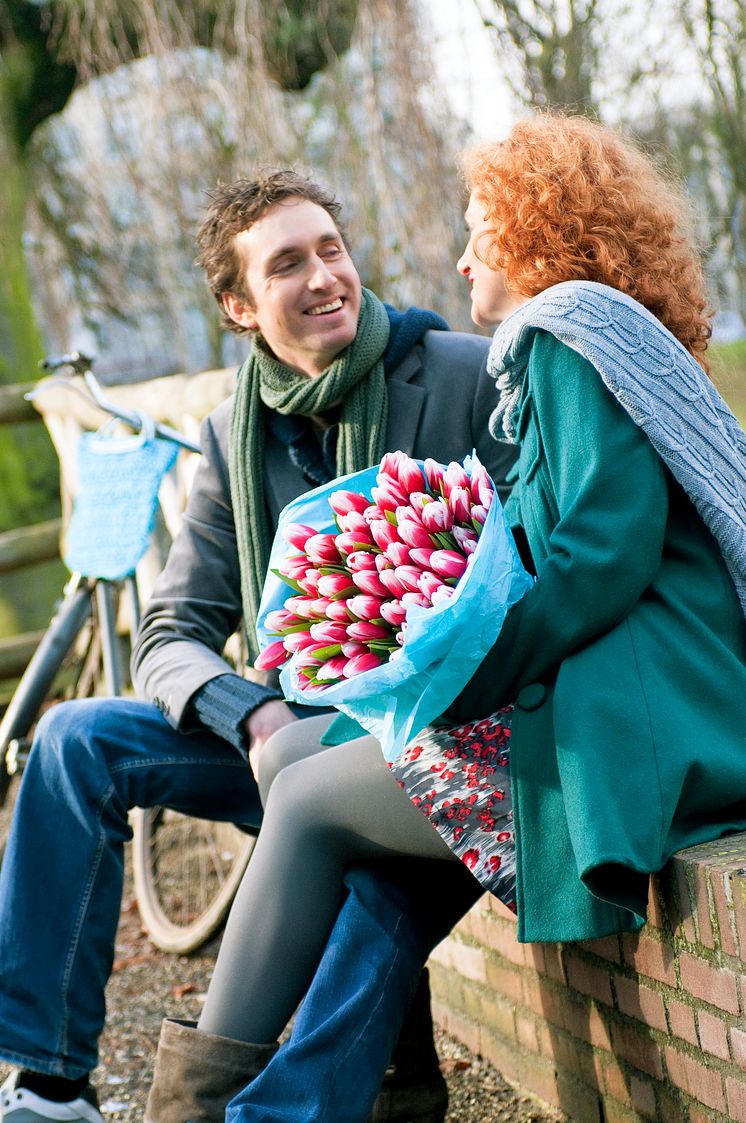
<point x="386" y="589"/>
<point x="407" y="544"/>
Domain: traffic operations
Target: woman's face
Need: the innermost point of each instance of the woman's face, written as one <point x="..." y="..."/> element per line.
<point x="490" y="300"/>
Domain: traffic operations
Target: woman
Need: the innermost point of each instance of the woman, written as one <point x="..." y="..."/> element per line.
<point x="626" y="662"/>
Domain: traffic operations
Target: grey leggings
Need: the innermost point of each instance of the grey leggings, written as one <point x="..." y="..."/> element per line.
<point x="326" y="808"/>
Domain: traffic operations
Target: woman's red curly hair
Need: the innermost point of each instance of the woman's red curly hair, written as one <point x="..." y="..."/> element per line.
<point x="569" y="199"/>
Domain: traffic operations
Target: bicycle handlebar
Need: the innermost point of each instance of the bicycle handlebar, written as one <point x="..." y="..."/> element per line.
<point x="136" y="419"/>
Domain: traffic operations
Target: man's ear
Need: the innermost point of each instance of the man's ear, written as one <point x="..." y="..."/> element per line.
<point x="239" y="311"/>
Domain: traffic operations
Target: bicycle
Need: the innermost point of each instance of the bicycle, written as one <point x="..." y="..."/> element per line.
<point x="185" y="870"/>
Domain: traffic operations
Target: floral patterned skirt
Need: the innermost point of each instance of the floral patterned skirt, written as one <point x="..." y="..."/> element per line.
<point x="459" y="777"/>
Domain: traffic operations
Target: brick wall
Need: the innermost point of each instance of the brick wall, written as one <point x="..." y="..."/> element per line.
<point x="625" y="1028"/>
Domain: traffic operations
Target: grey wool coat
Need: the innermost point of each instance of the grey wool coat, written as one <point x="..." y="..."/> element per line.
<point x="440" y="400"/>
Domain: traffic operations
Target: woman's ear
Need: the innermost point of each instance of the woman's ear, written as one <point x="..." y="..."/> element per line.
<point x="239" y="311"/>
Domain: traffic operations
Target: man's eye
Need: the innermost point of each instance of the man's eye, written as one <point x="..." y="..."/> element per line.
<point x="332" y="251"/>
<point x="285" y="265"/>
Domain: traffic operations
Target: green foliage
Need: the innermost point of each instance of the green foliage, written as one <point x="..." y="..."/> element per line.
<point x="301" y="37"/>
<point x="729" y="372"/>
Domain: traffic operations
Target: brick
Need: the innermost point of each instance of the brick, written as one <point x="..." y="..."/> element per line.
<point x="588" y="979"/>
<point x="579" y="1103"/>
<point x="640" y="1002"/>
<point x="715" y="985"/>
<point x="615" y="1113"/>
<point x="465" y="1031"/>
<point x="681" y="1021"/>
<point x="738" y="896"/>
<point x="525" y="1031"/>
<point x="694" y="1078"/>
<point x="500" y="1016"/>
<point x="656" y="909"/>
<point x="554" y="964"/>
<point x="505" y="979"/>
<point x="637" y="1048"/>
<point x="573" y="1058"/>
<point x="713" y="1035"/>
<point x="699" y="875"/>
<point x="642" y="1095"/>
<point x="544" y="999"/>
<point x="469" y="962"/>
<point x="613" y="1080"/>
<point x="540" y="1076"/>
<point x="606" y="947"/>
<point x="686" y="904"/>
<point x="721" y="894"/>
<point x="738" y="1045"/>
<point x="587" y="1023"/>
<point x="670" y="1108"/>
<point x="501" y="939"/>
<point x="650" y="957"/>
<point x="735" y="1090"/>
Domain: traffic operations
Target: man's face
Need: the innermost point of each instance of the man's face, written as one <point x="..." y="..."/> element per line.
<point x="304" y="290"/>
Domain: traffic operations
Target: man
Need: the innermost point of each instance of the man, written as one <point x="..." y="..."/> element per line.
<point x="334" y="379"/>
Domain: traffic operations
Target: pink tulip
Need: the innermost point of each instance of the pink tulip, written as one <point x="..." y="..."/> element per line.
<point x="429" y="582"/>
<point x="373" y="514"/>
<point x="486" y="495"/>
<point x="392" y="583"/>
<point x="454" y="476"/>
<point x="280" y="620"/>
<point x="441" y="595"/>
<point x="321" y="549"/>
<point x="337" y="611"/>
<point x="310" y="656"/>
<point x="297" y="534"/>
<point x="309" y="583"/>
<point x="382" y="562"/>
<point x="460" y="503"/>
<point x="361" y="663"/>
<point x="447" y="563"/>
<point x="296" y="641"/>
<point x="320" y="606"/>
<point x="407" y="514"/>
<point x="419" y="499"/>
<point x="356" y="524"/>
<point x="328" y="631"/>
<point x="345" y="501"/>
<point x="478" y="516"/>
<point x="479" y="479"/>
<point x="294" y="567"/>
<point x="388" y="496"/>
<point x="332" y="670"/>
<point x="390" y="464"/>
<point x="397" y="553"/>
<point x="353" y="648"/>
<point x="365" y="607"/>
<point x="409" y="575"/>
<point x="361" y="560"/>
<point x="410" y="599"/>
<point x="351" y="541"/>
<point x="410" y="475"/>
<point x="303" y="607"/>
<point x="370" y="582"/>
<point x="393" y="612"/>
<point x="274" y="655"/>
<point x="466" y="539"/>
<point x="383" y="533"/>
<point x="434" y="476"/>
<point x="336" y="585"/>
<point x="437" y="517"/>
<point x="421" y="557"/>
<point x="364" y="631"/>
<point x="415" y="536"/>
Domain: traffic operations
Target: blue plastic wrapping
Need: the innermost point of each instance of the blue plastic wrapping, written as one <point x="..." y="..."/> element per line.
<point x="444" y="645"/>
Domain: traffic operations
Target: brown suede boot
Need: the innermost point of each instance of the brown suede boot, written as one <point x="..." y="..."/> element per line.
<point x="197" y="1073"/>
<point x="414" y="1089"/>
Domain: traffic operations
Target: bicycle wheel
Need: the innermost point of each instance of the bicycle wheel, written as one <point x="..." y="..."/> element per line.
<point x="186" y="872"/>
<point x="36" y="688"/>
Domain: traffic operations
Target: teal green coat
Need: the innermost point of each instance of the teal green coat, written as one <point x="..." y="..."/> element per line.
<point x="626" y="660"/>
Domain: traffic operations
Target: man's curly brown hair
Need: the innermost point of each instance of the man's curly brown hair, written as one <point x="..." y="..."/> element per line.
<point x="235" y="207"/>
<point x="570" y="199"/>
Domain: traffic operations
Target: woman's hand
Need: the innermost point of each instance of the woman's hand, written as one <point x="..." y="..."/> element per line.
<point x="260" y="726"/>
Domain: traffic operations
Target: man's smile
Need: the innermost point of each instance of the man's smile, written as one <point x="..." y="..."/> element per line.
<point x="323" y="309"/>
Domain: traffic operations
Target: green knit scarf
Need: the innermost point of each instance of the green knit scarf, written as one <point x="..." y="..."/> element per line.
<point x="356" y="379"/>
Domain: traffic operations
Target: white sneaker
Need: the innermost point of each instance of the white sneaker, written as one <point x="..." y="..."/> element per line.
<point x="18" y="1105"/>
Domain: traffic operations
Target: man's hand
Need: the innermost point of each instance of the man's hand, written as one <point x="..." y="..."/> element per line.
<point x="260" y="726"/>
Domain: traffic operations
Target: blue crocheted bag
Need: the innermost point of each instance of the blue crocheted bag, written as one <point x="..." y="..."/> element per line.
<point x="114" y="510"/>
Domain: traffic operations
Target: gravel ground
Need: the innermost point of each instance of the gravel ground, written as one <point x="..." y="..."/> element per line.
<point x="147" y="983"/>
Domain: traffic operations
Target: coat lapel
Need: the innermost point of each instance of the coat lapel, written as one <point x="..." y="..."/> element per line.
<point x="405" y="404"/>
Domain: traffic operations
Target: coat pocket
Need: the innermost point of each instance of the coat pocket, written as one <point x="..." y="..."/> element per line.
<point x="530" y="440"/>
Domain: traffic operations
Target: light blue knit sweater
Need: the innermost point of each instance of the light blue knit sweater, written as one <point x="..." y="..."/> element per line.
<point x="662" y="388"/>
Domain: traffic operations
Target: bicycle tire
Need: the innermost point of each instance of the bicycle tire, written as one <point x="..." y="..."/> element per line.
<point x="186" y="872"/>
<point x="32" y="692"/>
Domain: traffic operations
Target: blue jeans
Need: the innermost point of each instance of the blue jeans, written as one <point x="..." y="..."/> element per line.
<point x="60" y="897"/>
<point x="62" y="875"/>
<point x="345" y="1031"/>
